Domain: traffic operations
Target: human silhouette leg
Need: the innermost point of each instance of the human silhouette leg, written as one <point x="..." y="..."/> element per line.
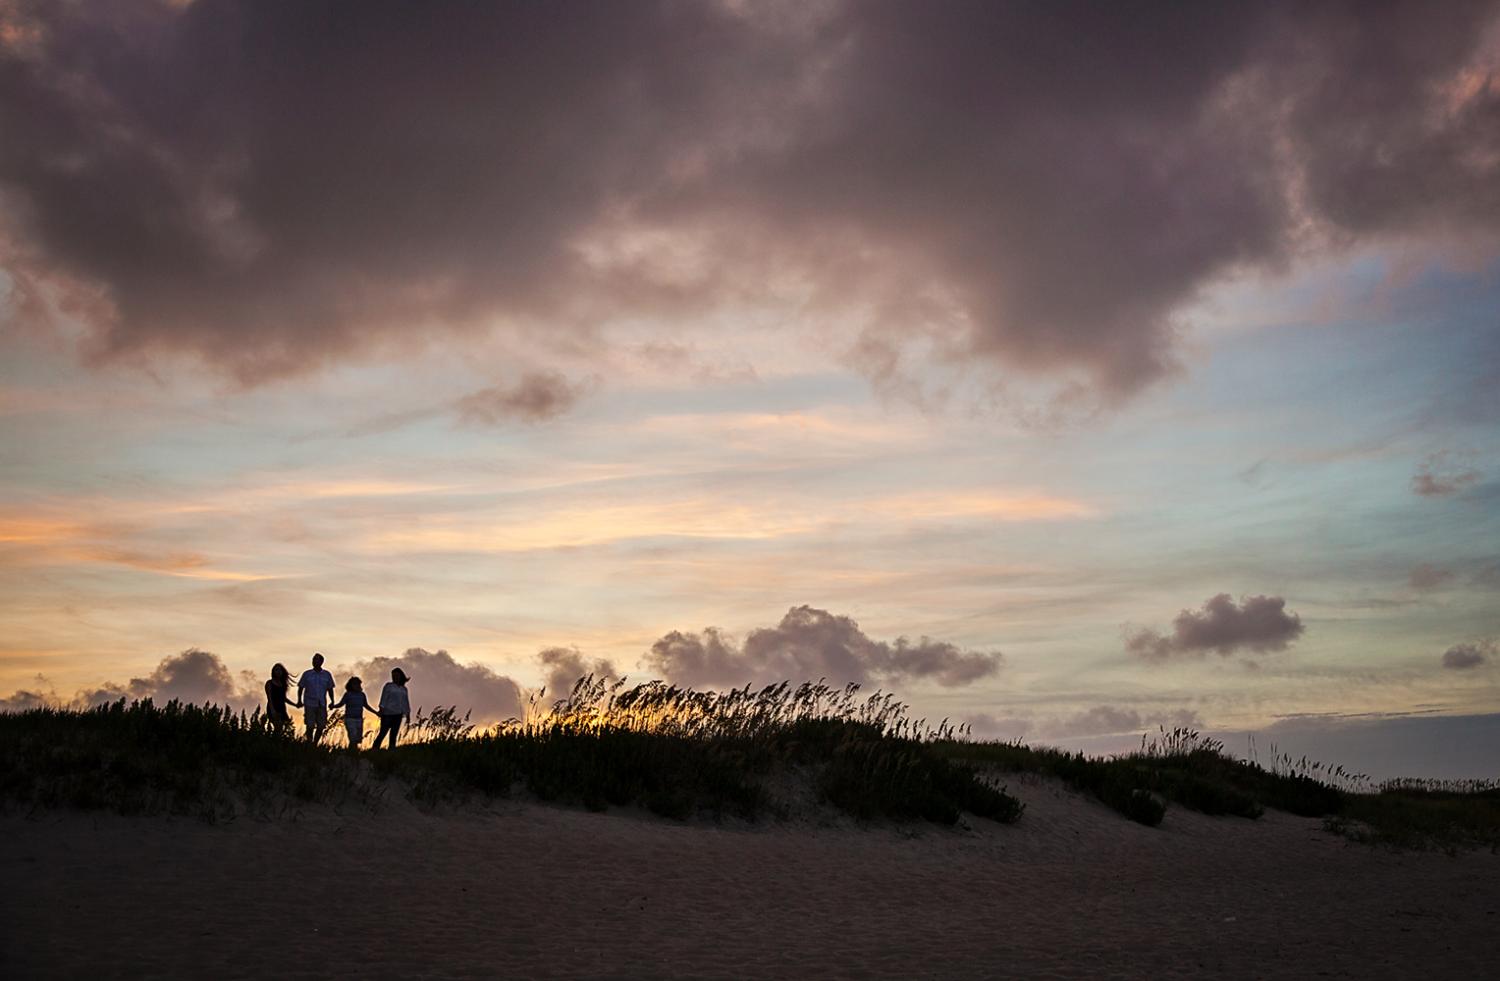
<point x="388" y="724"/>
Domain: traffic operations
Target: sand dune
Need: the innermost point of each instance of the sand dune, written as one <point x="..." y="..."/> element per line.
<point x="526" y="890"/>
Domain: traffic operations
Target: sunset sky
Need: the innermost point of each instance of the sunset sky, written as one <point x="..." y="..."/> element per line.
<point x="1137" y="365"/>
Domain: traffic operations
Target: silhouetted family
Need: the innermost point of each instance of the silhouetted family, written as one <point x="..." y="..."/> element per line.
<point x="315" y="699"/>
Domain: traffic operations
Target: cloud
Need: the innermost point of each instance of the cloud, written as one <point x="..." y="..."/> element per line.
<point x="989" y="725"/>
<point x="536" y="397"/>
<point x="437" y="679"/>
<point x="1440" y="476"/>
<point x="1462" y="657"/>
<point x="1255" y="474"/>
<point x="1426" y="576"/>
<point x="194" y="676"/>
<point x="565" y="665"/>
<point x="1097" y="720"/>
<point x="198" y="676"/>
<point x="1105" y="720"/>
<point x="119" y="538"/>
<point x="808" y="644"/>
<point x="1039" y="188"/>
<point x="23" y="700"/>
<point x="1259" y="624"/>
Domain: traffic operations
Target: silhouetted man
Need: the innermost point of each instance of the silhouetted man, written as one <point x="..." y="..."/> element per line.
<point x="315" y="690"/>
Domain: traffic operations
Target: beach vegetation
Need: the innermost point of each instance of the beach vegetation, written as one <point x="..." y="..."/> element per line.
<point x="683" y="753"/>
<point x="1182" y="766"/>
<point x="675" y="751"/>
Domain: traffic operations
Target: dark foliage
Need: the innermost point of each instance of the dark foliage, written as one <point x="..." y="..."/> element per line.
<point x="676" y="752"/>
<point x="679" y="752"/>
<point x="142" y="758"/>
<point x="1185" y="768"/>
<point x="1425" y="813"/>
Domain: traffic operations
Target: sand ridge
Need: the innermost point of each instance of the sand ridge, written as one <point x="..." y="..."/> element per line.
<point x="527" y="890"/>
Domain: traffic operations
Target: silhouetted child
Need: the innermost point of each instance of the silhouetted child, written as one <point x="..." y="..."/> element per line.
<point x="355" y="705"/>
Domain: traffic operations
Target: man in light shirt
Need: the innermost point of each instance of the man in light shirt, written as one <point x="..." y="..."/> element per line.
<point x="315" y="691"/>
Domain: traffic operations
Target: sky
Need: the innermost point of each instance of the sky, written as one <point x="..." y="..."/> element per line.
<point x="1068" y="369"/>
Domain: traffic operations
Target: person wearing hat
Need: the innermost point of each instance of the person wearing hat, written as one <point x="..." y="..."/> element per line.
<point x="315" y="695"/>
<point x="395" y="705"/>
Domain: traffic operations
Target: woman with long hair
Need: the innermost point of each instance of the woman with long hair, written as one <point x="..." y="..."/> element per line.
<point x="276" y="702"/>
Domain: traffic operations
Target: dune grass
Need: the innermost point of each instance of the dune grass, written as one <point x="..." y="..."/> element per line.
<point x="1179" y="766"/>
<point x="1451" y="815"/>
<point x="142" y="758"/>
<point x="1183" y="767"/>
<point x="677" y="752"/>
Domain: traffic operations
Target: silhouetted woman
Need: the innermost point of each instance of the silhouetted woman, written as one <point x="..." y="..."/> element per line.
<point x="394" y="706"/>
<point x="276" y="702"/>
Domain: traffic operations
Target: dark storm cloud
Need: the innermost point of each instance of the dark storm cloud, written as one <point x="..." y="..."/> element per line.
<point x="272" y="185"/>
<point x="1257" y="624"/>
<point x="563" y="666"/>
<point x="1462" y="657"/>
<point x="536" y="397"/>
<point x="439" y="680"/>
<point x="808" y="644"/>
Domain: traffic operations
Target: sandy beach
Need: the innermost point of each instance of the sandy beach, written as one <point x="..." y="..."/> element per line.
<point x="527" y="890"/>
